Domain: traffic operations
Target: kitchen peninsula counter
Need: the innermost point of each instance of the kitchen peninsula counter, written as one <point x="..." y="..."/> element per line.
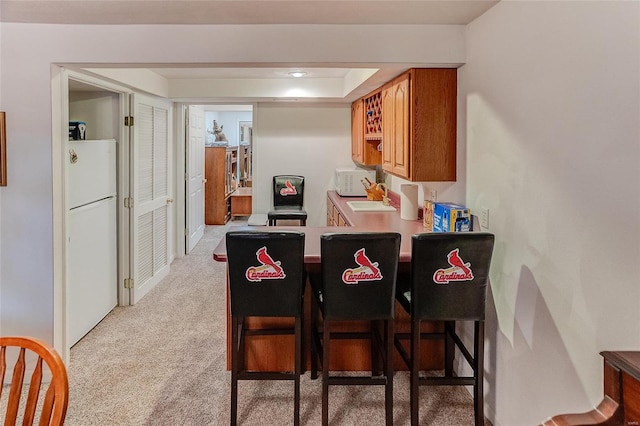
<point x="275" y="353"/>
<point x="357" y="221"/>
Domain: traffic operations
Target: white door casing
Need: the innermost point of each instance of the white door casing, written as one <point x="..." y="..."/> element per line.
<point x="195" y="177"/>
<point x="150" y="192"/>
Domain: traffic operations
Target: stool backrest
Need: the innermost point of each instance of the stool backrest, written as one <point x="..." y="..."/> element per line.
<point x="29" y="363"/>
<point x="449" y="275"/>
<point x="266" y="273"/>
<point x="288" y="190"/>
<point x="359" y="274"/>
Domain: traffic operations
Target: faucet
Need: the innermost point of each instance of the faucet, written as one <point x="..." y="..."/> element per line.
<point x="385" y="198"/>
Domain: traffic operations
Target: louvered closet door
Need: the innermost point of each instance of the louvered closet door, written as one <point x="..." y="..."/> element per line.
<point x="150" y="193"/>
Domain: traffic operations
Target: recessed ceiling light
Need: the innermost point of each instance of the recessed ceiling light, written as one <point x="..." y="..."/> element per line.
<point x="297" y="73"/>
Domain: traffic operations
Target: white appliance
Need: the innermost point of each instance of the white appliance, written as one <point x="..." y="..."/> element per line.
<point x="348" y="181"/>
<point x="92" y="262"/>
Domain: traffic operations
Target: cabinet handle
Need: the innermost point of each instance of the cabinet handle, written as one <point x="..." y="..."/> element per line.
<point x="169" y="200"/>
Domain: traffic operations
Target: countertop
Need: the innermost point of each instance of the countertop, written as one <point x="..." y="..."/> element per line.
<point x="378" y="221"/>
<point x="359" y="221"/>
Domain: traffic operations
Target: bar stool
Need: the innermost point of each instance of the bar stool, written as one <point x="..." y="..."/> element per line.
<point x="288" y="198"/>
<point x="448" y="282"/>
<point x="266" y="279"/>
<point x="357" y="282"/>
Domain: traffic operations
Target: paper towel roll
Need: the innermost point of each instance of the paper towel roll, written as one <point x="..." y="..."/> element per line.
<point x="408" y="202"/>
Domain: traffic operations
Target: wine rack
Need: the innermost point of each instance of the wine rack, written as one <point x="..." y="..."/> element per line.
<point x="373" y="116"/>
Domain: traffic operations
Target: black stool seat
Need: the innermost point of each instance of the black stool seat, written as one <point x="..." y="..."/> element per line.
<point x="357" y="282"/>
<point x="287" y="213"/>
<point x="288" y="199"/>
<point x="447" y="282"/>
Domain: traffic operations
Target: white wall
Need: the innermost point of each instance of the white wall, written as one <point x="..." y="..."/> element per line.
<point x="305" y="140"/>
<point x="552" y="100"/>
<point x="27" y="219"/>
<point x="229" y="120"/>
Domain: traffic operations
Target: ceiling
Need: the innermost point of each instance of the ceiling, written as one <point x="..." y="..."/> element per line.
<point x="250" y="12"/>
<point x="238" y="12"/>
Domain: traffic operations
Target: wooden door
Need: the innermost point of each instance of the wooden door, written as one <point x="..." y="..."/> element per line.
<point x="401" y="120"/>
<point x="357" y="131"/>
<point x="388" y="129"/>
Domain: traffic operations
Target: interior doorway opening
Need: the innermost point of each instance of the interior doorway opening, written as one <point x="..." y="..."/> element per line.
<point x="219" y="156"/>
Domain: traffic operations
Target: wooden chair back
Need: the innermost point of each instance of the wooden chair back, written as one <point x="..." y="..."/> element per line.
<point x="45" y="403"/>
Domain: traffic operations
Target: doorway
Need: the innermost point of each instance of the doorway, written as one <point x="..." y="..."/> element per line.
<point x="137" y="228"/>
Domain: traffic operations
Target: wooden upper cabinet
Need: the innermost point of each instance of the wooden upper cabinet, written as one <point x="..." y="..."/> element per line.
<point x="364" y="143"/>
<point x="419" y="125"/>
<point x="357" y="131"/>
<point x="396" y="122"/>
<point x="388" y="126"/>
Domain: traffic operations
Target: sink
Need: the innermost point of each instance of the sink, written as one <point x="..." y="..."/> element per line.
<point x="369" y="206"/>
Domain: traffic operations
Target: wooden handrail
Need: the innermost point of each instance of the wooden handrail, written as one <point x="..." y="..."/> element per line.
<point x="621" y="402"/>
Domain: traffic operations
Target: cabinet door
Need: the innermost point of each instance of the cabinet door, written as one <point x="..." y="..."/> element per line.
<point x="357" y="131"/>
<point x="401" y="119"/>
<point x="388" y="132"/>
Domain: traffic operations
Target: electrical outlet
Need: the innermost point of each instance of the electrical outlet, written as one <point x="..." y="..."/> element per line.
<point x="433" y="195"/>
<point x="484" y="217"/>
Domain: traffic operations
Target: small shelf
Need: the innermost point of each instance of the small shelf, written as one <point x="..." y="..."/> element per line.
<point x="373" y="116"/>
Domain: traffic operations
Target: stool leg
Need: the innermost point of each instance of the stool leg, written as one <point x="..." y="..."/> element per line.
<point x="314" y="337"/>
<point x="388" y="364"/>
<point x="298" y="367"/>
<point x="234" y="371"/>
<point x="241" y="344"/>
<point x="478" y="361"/>
<point x="375" y="350"/>
<point x="303" y="354"/>
<point x="449" y="347"/>
<point x="325" y="372"/>
<point x="414" y="390"/>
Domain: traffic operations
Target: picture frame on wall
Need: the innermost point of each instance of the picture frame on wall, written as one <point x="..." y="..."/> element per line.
<point x="3" y="149"/>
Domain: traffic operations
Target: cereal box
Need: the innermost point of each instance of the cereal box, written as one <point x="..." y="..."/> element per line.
<point x="449" y="217"/>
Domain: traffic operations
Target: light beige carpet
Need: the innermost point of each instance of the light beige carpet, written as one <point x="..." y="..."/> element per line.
<point x="162" y="362"/>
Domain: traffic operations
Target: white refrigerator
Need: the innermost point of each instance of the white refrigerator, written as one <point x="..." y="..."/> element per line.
<point x="93" y="231"/>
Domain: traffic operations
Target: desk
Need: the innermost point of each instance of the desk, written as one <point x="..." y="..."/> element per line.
<point x="241" y="202"/>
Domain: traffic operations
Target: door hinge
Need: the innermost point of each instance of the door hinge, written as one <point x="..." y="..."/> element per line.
<point x="128" y="202"/>
<point x="186" y="176"/>
<point x="128" y="121"/>
<point x="186" y="231"/>
<point x="128" y="283"/>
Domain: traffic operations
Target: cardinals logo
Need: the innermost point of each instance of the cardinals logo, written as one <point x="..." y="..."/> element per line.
<point x="288" y="189"/>
<point x="366" y="271"/>
<point x="459" y="271"/>
<point x="269" y="270"/>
